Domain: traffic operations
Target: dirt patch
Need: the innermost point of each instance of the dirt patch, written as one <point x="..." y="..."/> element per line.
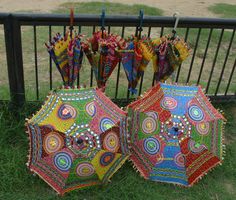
<point x="230" y="188"/>
<point x="185" y="7"/>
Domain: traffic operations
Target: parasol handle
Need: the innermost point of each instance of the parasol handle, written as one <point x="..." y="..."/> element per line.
<point x="71" y="21"/>
<point x="177" y="17"/>
<point x="140" y="27"/>
<point x="103" y="22"/>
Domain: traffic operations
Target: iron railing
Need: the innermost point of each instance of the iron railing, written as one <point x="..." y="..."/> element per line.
<point x="205" y="31"/>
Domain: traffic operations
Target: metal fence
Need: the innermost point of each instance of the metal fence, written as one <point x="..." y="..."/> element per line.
<point x="212" y="62"/>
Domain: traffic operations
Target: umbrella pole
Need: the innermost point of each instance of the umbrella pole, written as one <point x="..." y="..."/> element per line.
<point x="101" y="68"/>
<point x="71" y="76"/>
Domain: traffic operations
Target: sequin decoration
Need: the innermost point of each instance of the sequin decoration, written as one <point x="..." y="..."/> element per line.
<point x="195" y="113"/>
<point x="203" y="128"/>
<point x="53" y="142"/>
<point x="106" y="123"/>
<point x="63" y="161"/>
<point x="66" y="111"/>
<point x="107" y="158"/>
<point x="111" y="142"/>
<point x="169" y="103"/>
<point x="90" y="109"/>
<point x="85" y="169"/>
<point x="151" y="145"/>
<point x="149" y="125"/>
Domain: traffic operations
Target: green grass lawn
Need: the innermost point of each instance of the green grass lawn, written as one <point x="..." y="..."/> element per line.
<point x="224" y="10"/>
<point x="18" y="183"/>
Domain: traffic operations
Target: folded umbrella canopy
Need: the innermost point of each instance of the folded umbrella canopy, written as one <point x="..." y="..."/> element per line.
<point x="67" y="54"/>
<point x="77" y="139"/>
<point x="170" y="52"/>
<point x="135" y="59"/>
<point x="176" y="134"/>
<point x="100" y="51"/>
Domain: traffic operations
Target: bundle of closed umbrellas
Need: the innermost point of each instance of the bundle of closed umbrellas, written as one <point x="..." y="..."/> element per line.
<point x="80" y="138"/>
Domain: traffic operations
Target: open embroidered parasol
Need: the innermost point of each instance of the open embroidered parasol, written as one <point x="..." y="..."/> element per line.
<point x="176" y="134"/>
<point x="77" y="139"/>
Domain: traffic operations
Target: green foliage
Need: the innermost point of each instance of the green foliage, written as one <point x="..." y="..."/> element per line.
<point x="224" y="10"/>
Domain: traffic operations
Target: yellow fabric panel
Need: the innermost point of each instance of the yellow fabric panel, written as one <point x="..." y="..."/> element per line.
<point x="53" y="119"/>
<point x="102" y="170"/>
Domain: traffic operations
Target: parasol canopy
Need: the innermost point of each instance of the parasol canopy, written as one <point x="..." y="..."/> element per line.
<point x="100" y="51"/>
<point x="169" y="53"/>
<point x="135" y="59"/>
<point x="67" y="54"/>
<point x="176" y="134"/>
<point x="77" y="139"/>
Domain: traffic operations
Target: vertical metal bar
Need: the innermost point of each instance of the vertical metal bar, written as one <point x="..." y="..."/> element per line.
<point x="36" y="62"/>
<point x="141" y="84"/>
<point x="149" y="31"/>
<point x="215" y="58"/>
<point x="204" y="57"/>
<point x="118" y="72"/>
<point x="230" y="78"/>
<point x="179" y="68"/>
<point x="109" y="29"/>
<point x="64" y="30"/>
<point x="13" y="44"/>
<point x="161" y="34"/>
<point x="79" y="29"/>
<point x="194" y="53"/>
<point x="91" y="72"/>
<point x="128" y="92"/>
<point x="141" y="81"/>
<point x="225" y="61"/>
<point x="78" y="77"/>
<point x="50" y="59"/>
<point x="162" y="31"/>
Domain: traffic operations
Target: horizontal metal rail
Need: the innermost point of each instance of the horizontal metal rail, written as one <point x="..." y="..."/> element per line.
<point x="12" y="28"/>
<point x="120" y="20"/>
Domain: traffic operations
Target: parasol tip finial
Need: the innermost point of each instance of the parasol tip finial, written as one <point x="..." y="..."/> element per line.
<point x="176" y="14"/>
<point x="71" y="17"/>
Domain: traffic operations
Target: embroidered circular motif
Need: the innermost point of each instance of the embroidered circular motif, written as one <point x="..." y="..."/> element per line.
<point x="152" y="114"/>
<point x="160" y="158"/>
<point x="195" y="113"/>
<point x="169" y="103"/>
<point x="66" y="111"/>
<point x="63" y="161"/>
<point x="151" y="145"/>
<point x="203" y="128"/>
<point x="52" y="142"/>
<point x="195" y="147"/>
<point x="107" y="158"/>
<point x="90" y="109"/>
<point x="85" y="169"/>
<point x="111" y="142"/>
<point x="179" y="159"/>
<point x="149" y="125"/>
<point x="106" y="123"/>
